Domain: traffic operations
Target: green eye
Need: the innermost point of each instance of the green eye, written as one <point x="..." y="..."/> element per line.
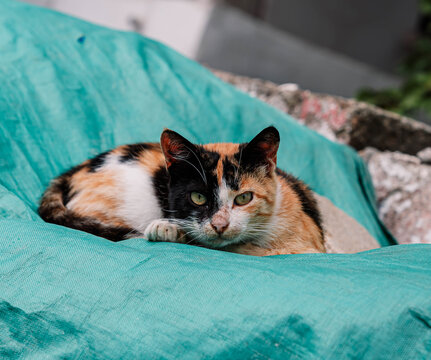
<point x="243" y="199"/>
<point x="198" y="198"/>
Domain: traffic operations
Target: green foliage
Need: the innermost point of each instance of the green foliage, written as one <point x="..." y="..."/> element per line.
<point x="425" y="7"/>
<point x="414" y="94"/>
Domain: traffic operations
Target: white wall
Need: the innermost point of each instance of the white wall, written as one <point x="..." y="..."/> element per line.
<point x="177" y="23"/>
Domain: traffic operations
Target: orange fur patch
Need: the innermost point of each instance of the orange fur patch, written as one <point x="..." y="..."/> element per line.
<point x="95" y="196"/>
<point x="225" y="149"/>
<point x="152" y="160"/>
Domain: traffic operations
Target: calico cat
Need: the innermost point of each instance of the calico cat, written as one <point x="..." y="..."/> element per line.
<point x="223" y="196"/>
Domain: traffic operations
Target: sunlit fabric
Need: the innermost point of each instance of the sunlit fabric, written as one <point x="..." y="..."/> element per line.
<point x="69" y="90"/>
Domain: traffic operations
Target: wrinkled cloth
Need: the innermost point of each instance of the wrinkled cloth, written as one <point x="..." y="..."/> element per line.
<point x="70" y="90"/>
<point x="67" y="294"/>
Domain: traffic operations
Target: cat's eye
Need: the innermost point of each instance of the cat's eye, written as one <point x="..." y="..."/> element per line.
<point x="244" y="198"/>
<point x="198" y="198"/>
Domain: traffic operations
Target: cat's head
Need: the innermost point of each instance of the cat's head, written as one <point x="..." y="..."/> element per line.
<point x="222" y="194"/>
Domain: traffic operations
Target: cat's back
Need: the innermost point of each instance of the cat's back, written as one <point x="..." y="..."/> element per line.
<point x="124" y="188"/>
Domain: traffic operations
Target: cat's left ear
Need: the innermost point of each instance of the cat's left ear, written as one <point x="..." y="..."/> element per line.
<point x="262" y="150"/>
<point x="175" y="147"/>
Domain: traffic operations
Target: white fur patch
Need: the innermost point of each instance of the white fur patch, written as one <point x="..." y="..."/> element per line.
<point x="139" y="203"/>
<point x="223" y="195"/>
<point x="237" y="217"/>
<point x="162" y="230"/>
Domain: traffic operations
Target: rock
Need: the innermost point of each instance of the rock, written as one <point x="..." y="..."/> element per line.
<point x="425" y="155"/>
<point x="403" y="190"/>
<point x="344" y="120"/>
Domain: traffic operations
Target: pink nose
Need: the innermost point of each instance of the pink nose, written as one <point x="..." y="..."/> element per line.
<point x="219" y="227"/>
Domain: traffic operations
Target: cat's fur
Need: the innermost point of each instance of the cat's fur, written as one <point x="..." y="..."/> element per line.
<point x="144" y="190"/>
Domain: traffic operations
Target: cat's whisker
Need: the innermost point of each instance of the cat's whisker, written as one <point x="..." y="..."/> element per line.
<point x="189" y="242"/>
<point x="239" y="164"/>
<point x="202" y="168"/>
<point x="188" y="162"/>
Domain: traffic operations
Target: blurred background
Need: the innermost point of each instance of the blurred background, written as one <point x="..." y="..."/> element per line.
<point x="377" y="51"/>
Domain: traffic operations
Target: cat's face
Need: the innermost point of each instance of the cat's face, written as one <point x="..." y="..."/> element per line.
<point x="222" y="194"/>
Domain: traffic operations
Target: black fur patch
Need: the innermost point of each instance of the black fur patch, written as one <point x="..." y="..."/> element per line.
<point x="132" y="152"/>
<point x="209" y="159"/>
<point x="64" y="188"/>
<point x="231" y="174"/>
<point x="97" y="162"/>
<point x="260" y="151"/>
<point x="186" y="177"/>
<point x="63" y="184"/>
<point x="161" y="186"/>
<point x="309" y="205"/>
<point x="249" y="161"/>
<point x="113" y="233"/>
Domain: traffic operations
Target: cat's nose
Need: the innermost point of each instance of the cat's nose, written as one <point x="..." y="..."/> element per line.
<point x="219" y="226"/>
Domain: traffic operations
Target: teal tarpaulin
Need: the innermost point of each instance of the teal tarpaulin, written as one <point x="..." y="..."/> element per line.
<point x="69" y="90"/>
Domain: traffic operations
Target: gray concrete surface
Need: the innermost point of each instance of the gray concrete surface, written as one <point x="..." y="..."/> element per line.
<point x="374" y="32"/>
<point x="238" y="43"/>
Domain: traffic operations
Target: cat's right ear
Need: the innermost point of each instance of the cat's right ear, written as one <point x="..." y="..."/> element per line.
<point x="175" y="147"/>
<point x="262" y="149"/>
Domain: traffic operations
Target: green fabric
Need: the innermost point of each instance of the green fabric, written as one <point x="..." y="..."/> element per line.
<point x="69" y="90"/>
<point x="70" y="295"/>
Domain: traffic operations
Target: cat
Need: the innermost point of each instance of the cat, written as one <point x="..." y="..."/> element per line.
<point x="223" y="196"/>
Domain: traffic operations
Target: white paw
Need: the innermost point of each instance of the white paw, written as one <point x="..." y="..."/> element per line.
<point x="162" y="230"/>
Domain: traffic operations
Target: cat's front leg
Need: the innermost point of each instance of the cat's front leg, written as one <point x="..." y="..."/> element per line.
<point x="163" y="230"/>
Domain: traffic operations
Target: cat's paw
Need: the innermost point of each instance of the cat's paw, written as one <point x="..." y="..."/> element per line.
<point x="162" y="230"/>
